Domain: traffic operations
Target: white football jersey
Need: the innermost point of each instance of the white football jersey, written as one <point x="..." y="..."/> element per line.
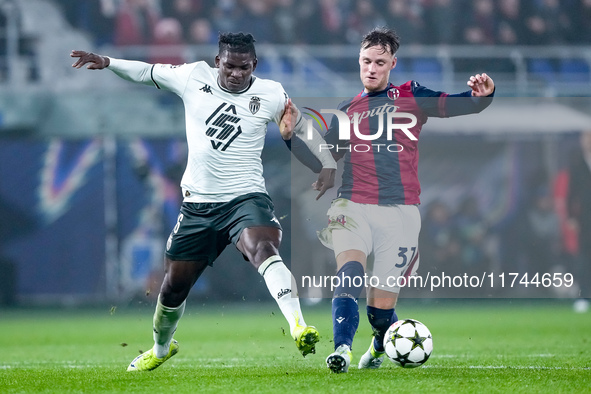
<point x="225" y="131"/>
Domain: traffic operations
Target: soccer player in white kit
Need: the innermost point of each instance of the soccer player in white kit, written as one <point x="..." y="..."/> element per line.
<point x="227" y="111"/>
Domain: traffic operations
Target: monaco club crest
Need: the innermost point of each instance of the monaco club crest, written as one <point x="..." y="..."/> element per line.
<point x="254" y="105"/>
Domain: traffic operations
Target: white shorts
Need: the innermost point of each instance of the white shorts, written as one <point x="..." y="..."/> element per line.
<point x="387" y="234"/>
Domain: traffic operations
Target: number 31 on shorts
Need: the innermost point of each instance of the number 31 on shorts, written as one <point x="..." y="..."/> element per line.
<point x="403" y="254"/>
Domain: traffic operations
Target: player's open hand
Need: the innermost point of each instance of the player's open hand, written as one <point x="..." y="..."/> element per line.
<point x="325" y="181"/>
<point x="94" y="61"/>
<point x="481" y="84"/>
<point x="287" y="122"/>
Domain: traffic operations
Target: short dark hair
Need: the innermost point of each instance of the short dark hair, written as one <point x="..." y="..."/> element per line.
<point x="383" y="37"/>
<point x="237" y="42"/>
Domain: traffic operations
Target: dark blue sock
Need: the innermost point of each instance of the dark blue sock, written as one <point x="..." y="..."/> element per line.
<point x="345" y="310"/>
<point x="380" y="320"/>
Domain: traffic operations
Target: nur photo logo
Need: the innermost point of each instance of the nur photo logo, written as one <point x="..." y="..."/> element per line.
<point x="388" y="120"/>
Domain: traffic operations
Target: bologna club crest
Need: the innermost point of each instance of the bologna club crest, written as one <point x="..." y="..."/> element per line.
<point x="254" y="105"/>
<point x="393" y="93"/>
<point x="341" y="219"/>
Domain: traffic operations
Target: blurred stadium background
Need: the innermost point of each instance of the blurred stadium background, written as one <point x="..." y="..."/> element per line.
<point x="90" y="164"/>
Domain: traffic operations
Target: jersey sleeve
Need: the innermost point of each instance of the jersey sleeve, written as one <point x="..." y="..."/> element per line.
<point x="431" y="102"/>
<point x="282" y="98"/>
<point x="442" y="105"/>
<point x="174" y="78"/>
<point x="337" y="146"/>
<point x="303" y="153"/>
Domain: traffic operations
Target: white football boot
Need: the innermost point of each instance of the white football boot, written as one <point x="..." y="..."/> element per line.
<point x="372" y="359"/>
<point x="340" y="360"/>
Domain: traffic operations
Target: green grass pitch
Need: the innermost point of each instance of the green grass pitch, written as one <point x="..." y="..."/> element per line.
<point x="528" y="346"/>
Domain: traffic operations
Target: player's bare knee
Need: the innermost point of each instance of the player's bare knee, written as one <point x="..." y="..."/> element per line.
<point x="173" y="296"/>
<point x="174" y="291"/>
<point x="262" y="251"/>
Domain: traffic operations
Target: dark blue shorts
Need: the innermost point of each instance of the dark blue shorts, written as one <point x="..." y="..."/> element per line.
<point x="203" y="230"/>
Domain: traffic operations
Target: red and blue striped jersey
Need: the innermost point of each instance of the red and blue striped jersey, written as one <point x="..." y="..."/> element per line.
<point x="381" y="155"/>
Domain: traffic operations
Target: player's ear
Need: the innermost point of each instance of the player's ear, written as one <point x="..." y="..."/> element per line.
<point x="254" y="64"/>
<point x="394" y="63"/>
<point x="217" y="61"/>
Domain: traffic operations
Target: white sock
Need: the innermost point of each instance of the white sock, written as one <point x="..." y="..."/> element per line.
<point x="165" y="322"/>
<point x="279" y="282"/>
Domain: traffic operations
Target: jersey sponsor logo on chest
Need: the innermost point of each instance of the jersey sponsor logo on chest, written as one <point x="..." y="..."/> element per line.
<point x="223" y="126"/>
<point x="376" y="111"/>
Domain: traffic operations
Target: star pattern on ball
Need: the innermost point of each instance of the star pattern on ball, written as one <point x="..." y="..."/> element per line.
<point x="402" y="358"/>
<point x="417" y="341"/>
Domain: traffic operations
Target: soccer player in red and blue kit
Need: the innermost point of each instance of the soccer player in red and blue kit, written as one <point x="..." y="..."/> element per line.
<point x="374" y="222"/>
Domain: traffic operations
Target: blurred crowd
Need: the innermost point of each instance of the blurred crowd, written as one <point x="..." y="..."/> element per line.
<point x="498" y="22"/>
<point x="454" y="240"/>
<point x="546" y="231"/>
<point x="463" y="240"/>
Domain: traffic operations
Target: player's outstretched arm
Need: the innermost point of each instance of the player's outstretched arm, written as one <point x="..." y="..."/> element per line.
<point x="94" y="61"/>
<point x="130" y="70"/>
<point x="473" y="101"/>
<point x="482" y="85"/>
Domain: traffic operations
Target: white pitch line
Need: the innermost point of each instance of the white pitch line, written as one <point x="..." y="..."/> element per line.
<point x="544" y="355"/>
<point x="505" y="367"/>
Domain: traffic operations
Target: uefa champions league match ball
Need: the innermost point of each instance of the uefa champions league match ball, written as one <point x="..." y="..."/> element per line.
<point x="408" y="343"/>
